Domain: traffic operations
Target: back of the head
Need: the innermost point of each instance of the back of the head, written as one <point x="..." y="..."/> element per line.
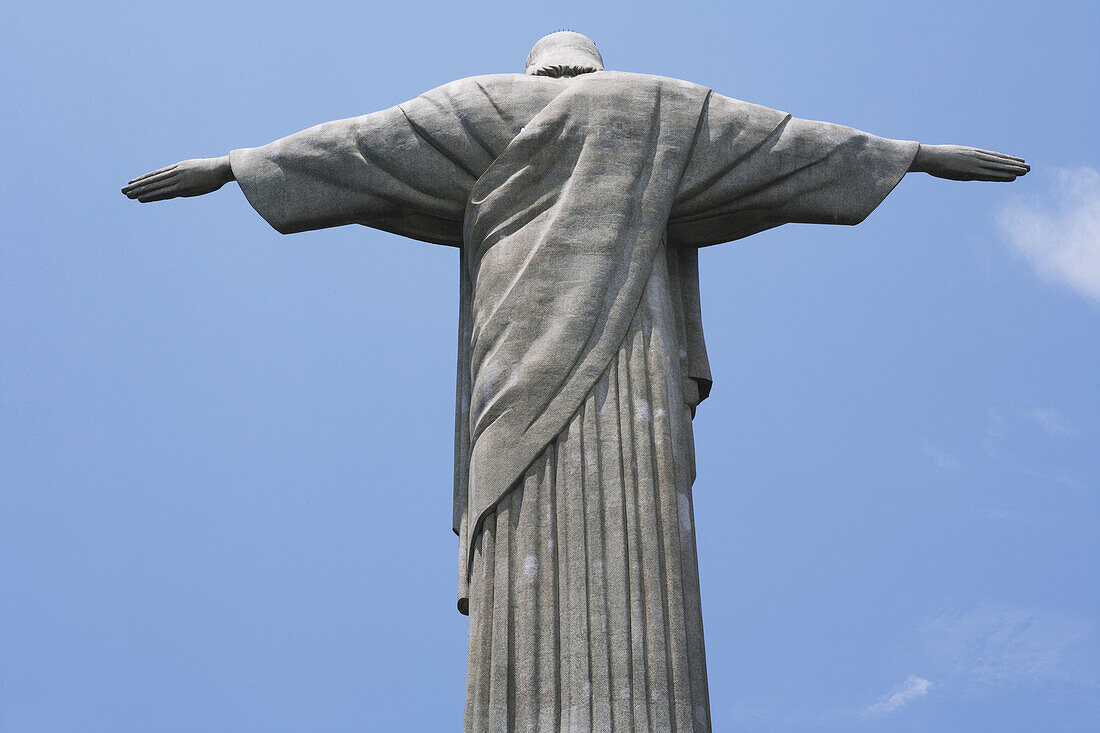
<point x="564" y="53"/>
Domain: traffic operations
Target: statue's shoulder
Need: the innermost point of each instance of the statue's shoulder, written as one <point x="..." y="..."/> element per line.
<point x="509" y="94"/>
<point x="522" y="95"/>
<point x="508" y="84"/>
<point x="489" y="101"/>
<point x="493" y="84"/>
<point x="612" y="80"/>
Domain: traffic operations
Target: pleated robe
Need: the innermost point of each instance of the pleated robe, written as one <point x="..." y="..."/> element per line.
<point x="584" y="596"/>
<point x="578" y="205"/>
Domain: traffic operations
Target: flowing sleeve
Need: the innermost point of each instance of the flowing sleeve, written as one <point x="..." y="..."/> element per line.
<point x="382" y="170"/>
<point x="754" y="168"/>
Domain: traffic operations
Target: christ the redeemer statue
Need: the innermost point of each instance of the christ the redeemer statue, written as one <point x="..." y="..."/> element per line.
<point x="578" y="199"/>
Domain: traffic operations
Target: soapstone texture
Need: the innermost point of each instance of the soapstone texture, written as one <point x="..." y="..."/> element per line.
<point x="578" y="199"/>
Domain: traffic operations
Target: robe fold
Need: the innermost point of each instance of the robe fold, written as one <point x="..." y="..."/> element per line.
<point x="578" y="205"/>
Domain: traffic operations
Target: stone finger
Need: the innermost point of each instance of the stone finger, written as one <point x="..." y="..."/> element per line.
<point x="151" y="180"/>
<point x="999" y="155"/>
<point x="153" y="173"/>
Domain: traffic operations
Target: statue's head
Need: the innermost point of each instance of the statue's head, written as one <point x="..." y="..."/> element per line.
<point x="564" y="53"/>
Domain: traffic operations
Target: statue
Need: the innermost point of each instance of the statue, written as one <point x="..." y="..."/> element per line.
<point x="578" y="199"/>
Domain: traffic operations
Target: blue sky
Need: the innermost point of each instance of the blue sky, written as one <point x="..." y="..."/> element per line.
<point x="225" y="454"/>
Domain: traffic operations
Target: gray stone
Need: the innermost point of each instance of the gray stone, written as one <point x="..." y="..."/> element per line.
<point x="578" y="198"/>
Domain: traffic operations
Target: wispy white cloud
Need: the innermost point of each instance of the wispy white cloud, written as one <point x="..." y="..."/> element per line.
<point x="914" y="687"/>
<point x="939" y="457"/>
<point x="1050" y="422"/>
<point x="1060" y="236"/>
<point x="996" y="645"/>
<point x="990" y="647"/>
<point x="997" y="444"/>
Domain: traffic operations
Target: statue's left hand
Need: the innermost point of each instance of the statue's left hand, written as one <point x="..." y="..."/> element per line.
<point x="187" y="178"/>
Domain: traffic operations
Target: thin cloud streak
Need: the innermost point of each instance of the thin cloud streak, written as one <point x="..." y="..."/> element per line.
<point x="1050" y="422"/>
<point x="1000" y="646"/>
<point x="1060" y="236"/>
<point x="914" y="687"/>
<point x="994" y="444"/>
<point x="939" y="457"/>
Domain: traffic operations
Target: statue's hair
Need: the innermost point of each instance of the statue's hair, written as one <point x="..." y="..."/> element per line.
<point x="558" y="71"/>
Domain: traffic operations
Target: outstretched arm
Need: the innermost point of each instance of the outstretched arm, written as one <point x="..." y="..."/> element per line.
<point x="186" y="178"/>
<point x="961" y="163"/>
<point x="754" y="168"/>
<point x="375" y="170"/>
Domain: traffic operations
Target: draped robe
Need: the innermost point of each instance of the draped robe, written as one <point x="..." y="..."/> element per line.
<point x="578" y="205"/>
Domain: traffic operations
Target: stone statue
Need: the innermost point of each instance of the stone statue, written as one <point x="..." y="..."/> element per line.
<point x="578" y="199"/>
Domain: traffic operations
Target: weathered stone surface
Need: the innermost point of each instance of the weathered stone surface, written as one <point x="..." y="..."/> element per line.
<point x="578" y="197"/>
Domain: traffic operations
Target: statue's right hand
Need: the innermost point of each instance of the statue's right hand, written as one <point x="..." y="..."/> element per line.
<point x="187" y="178"/>
<point x="962" y="163"/>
